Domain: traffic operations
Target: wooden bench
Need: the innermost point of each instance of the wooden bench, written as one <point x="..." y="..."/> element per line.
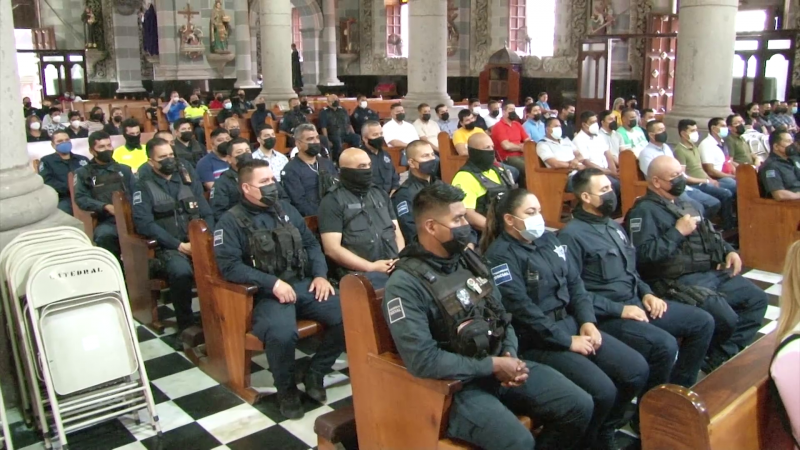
<point x="397" y="156"/>
<point x="136" y="251"/>
<point x="88" y="218"/>
<point x="226" y="310"/>
<point x="210" y="123"/>
<point x="450" y="161"/>
<point x="549" y="185"/>
<point x="631" y="180"/>
<point x="766" y="227"/>
<point x="730" y="409"/>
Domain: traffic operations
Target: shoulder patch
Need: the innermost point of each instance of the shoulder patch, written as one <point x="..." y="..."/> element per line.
<point x="211" y="194"/>
<point x="622" y="236"/>
<point x="82" y="162"/>
<point x="771" y="173"/>
<point x="386" y="159"/>
<point x="74" y="179"/>
<point x="402" y="208"/>
<point x="501" y="274"/>
<point x="218" y="234"/>
<point x="636" y="225"/>
<point x="137" y="197"/>
<point x="561" y="251"/>
<point x="395" y="309"/>
<point x="286" y="217"/>
<point x="41" y="166"/>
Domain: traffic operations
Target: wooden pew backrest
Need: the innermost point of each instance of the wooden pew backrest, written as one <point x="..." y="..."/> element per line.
<point x="88" y="218"/>
<point x="631" y="179"/>
<point x="549" y="185"/>
<point x="449" y="160"/>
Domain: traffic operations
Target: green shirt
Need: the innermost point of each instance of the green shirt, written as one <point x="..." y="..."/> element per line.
<point x="690" y="157"/>
<point x="739" y="149"/>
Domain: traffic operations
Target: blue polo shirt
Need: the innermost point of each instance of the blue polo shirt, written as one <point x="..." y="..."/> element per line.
<point x="534" y="129"/>
<point x="174" y="112"/>
<point x="210" y="167"/>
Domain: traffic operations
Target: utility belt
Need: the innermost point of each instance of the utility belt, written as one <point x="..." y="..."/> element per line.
<point x="558" y="314"/>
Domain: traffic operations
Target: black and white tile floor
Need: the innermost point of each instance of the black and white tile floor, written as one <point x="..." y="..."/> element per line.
<point x="196" y="413"/>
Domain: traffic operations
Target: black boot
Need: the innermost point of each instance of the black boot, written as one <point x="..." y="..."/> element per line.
<point x="290" y="405"/>
<point x="314" y="387"/>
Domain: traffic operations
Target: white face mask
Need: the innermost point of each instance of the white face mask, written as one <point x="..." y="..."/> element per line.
<point x="476" y="110"/>
<point x="363" y="105"/>
<point x="557" y="133"/>
<point x="75" y="123"/>
<point x="723" y="132"/>
<point x="594" y="128"/>
<point x="694" y="136"/>
<point x="36" y="126"/>
<point x="534" y="227"/>
<point x="55" y="119"/>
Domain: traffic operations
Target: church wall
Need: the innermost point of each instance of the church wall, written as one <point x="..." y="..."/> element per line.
<point x="65" y="18"/>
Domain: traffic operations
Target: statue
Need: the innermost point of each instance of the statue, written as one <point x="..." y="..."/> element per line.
<point x="190" y="35"/>
<point x="88" y="27"/>
<point x="220" y="29"/>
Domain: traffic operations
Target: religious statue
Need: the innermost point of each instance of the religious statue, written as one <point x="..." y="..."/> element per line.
<point x="190" y="34"/>
<point x="89" y="22"/>
<point x="220" y="29"/>
<point x="602" y="16"/>
<point x="452" y="32"/>
<point x="348" y="37"/>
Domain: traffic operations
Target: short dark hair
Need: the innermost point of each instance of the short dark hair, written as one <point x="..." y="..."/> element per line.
<point x="749" y="106"/>
<point x="729" y="119"/>
<point x="57" y="132"/>
<point x="474" y="100"/>
<point x="714" y="122"/>
<point x="582" y="179"/>
<point x="492" y="102"/>
<point x="129" y="123"/>
<point x="586" y="115"/>
<point x="217" y="131"/>
<point x="529" y="107"/>
<point x="226" y="148"/>
<point x="775" y="136"/>
<point x="648" y="110"/>
<point x="115" y="109"/>
<point x="246" y="169"/>
<point x="551" y="119"/>
<point x="652" y="125"/>
<point x="266" y="126"/>
<point x="439" y="106"/>
<point x="73" y="114"/>
<point x="395" y="105"/>
<point x="177" y="124"/>
<point x="411" y="147"/>
<point x="54" y="109"/>
<point x="541" y="94"/>
<point x="422" y="105"/>
<point x="152" y="144"/>
<point x="463" y="114"/>
<point x="97" y="136"/>
<point x="684" y="124"/>
<point x="603" y="114"/>
<point x="567" y="105"/>
<point x="628" y="110"/>
<point x="435" y="197"/>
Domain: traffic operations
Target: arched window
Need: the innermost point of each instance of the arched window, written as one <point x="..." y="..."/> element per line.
<point x="532" y="27"/>
<point x="396" y="28"/>
<point x="297" y="36"/>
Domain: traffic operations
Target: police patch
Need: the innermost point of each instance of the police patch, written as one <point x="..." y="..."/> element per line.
<point x="137" y="197"/>
<point x="74" y="180"/>
<point x="561" y="251"/>
<point x="622" y="236"/>
<point x="636" y="225"/>
<point x="771" y="174"/>
<point x="286" y="218"/>
<point x="82" y="163"/>
<point x="386" y="159"/>
<point x="218" y="237"/>
<point x="463" y="297"/>
<point x="402" y="208"/>
<point x="41" y="167"/>
<point x="211" y="194"/>
<point x="501" y="274"/>
<point x="395" y="308"/>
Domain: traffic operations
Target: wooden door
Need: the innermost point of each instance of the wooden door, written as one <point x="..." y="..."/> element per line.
<point x="659" y="63"/>
<point x="594" y="76"/>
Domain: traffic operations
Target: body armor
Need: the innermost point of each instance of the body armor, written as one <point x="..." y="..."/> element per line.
<point x="104" y="182"/>
<point x="493" y="190"/>
<point x="368" y="229"/>
<point x="174" y="215"/>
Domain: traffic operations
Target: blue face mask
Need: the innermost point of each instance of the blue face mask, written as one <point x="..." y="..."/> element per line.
<point x="794" y="109"/>
<point x="723" y="132"/>
<point x="64" y="147"/>
<point x="227" y="106"/>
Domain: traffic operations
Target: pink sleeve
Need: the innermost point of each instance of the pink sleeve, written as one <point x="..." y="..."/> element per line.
<point x="786" y="373"/>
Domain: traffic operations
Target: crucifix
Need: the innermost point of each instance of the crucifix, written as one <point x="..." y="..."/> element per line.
<point x="188" y="12"/>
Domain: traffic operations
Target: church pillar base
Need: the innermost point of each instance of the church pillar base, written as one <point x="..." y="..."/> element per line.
<point x="700" y="114"/>
<point x="130" y="87"/>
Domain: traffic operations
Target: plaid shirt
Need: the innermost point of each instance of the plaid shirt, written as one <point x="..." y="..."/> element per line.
<point x="782" y="120"/>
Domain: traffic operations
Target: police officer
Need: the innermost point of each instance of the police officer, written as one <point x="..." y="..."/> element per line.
<point x="165" y="199"/>
<point x="186" y="146"/>
<point x="225" y="192"/>
<point x="601" y="252"/>
<point x="780" y="174"/>
<point x="357" y="223"/>
<point x="94" y="185"/>
<point x="308" y="176"/>
<point x="55" y="167"/>
<point x="553" y="314"/>
<point x="422" y="165"/>
<point x="293" y="118"/>
<point x="362" y="114"/>
<point x="440" y="298"/>
<point x="335" y="124"/>
<point x="384" y="175"/>
<point x="264" y="241"/>
<point x="676" y="246"/>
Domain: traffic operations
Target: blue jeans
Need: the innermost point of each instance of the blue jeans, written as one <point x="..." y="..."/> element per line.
<point x="710" y="204"/>
<point x="729" y="184"/>
<point x="725" y="198"/>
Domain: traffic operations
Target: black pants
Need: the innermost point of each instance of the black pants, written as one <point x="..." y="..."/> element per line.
<point x="337" y="141"/>
<point x="105" y="237"/>
<point x="177" y="268"/>
<point x="484" y="413"/>
<point x="65" y="204"/>
<point x="613" y="377"/>
<point x="737" y="312"/>
<point x="657" y="342"/>
<point x="275" y="324"/>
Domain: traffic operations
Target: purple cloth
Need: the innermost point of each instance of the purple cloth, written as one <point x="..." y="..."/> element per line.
<point x="150" y="31"/>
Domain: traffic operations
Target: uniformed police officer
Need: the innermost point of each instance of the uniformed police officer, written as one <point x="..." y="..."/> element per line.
<point x="601" y="252"/>
<point x="165" y="199"/>
<point x="780" y="174"/>
<point x="422" y="165"/>
<point x="251" y="243"/>
<point x="292" y="119"/>
<point x="94" y="185"/>
<point x="553" y="314"/>
<point x="55" y="167"/>
<point x="308" y="176"/>
<point x="335" y="124"/>
<point x="362" y="114"/>
<point x="384" y="175"/>
<point x="225" y="192"/>
<point x="676" y="244"/>
<point x="357" y="223"/>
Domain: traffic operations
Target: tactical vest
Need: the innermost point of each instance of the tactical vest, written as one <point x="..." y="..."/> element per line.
<point x="103" y="183"/>
<point x="368" y="229"/>
<point x="469" y="323"/>
<point x="493" y="190"/>
<point x="279" y="251"/>
<point x="327" y="181"/>
<point x="701" y="251"/>
<point x="173" y="215"/>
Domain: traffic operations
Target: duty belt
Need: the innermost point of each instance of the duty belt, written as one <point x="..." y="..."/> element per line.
<point x="557" y="314"/>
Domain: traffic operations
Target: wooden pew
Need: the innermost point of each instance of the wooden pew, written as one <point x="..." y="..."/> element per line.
<point x="136" y="251"/>
<point x="396" y="154"/>
<point x="549" y="185"/>
<point x="162" y="119"/>
<point x="450" y="161"/>
<point x="393" y="409"/>
<point x="226" y="310"/>
<point x="281" y="140"/>
<point x="730" y="409"/>
<point x="210" y="123"/>
<point x="88" y="218"/>
<point x="632" y="181"/>
<point x="766" y="227"/>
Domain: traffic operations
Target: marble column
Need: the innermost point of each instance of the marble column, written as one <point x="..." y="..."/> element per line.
<point x="25" y="202"/>
<point x="276" y="50"/>
<point x="329" y="48"/>
<point x="310" y="65"/>
<point x="703" y="77"/>
<point x="427" y="54"/>
<point x="128" y="53"/>
<point x="244" y="64"/>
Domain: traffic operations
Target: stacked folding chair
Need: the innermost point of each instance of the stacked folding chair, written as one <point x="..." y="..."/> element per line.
<point x="73" y="336"/>
<point x="5" y="434"/>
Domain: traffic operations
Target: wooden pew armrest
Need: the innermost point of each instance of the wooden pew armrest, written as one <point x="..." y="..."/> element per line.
<point x="240" y="289"/>
<point x="138" y="239"/>
<point x="546" y="170"/>
<point x="393" y="365"/>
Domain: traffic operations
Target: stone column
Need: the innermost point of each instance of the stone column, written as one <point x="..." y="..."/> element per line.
<point x="128" y="53"/>
<point x="25" y="202"/>
<point x="703" y="77"/>
<point x="244" y="67"/>
<point x="329" y="48"/>
<point x="310" y="64"/>
<point x="276" y="50"/>
<point x="427" y="54"/>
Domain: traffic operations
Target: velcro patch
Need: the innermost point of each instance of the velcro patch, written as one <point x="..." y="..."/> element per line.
<point x="636" y="225"/>
<point x="501" y="274"/>
<point x="771" y="174"/>
<point x="218" y="237"/>
<point x="402" y="208"/>
<point x="137" y="197"/>
<point x="395" y="308"/>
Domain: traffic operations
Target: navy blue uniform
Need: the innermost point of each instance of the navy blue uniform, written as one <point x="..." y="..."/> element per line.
<point x="600" y="251"/>
<point x="737" y="313"/>
<point x="291" y="119"/>
<point x="403" y="201"/>
<point x="549" y="304"/>
<point x="384" y="175"/>
<point x="225" y="193"/>
<point x="191" y="153"/>
<point x="275" y="323"/>
<point x="54" y="170"/>
<point x="301" y="183"/>
<point x="361" y="116"/>
<point x="77" y="134"/>
<point x="777" y="174"/>
<point x="482" y="412"/>
<point x="336" y="122"/>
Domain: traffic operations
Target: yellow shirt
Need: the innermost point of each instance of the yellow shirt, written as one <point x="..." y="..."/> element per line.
<point x="190" y="112"/>
<point x="461" y="136"/>
<point x="131" y="158"/>
<point x="471" y="186"/>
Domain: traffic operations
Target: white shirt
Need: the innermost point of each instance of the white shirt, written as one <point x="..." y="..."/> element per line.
<point x="562" y="151"/>
<point x="611" y="140"/>
<point x="650" y="153"/>
<point x="711" y="153"/>
<point x="276" y="161"/>
<point x="492" y="121"/>
<point x="403" y="132"/>
<point x="429" y="130"/>
<point x="592" y="148"/>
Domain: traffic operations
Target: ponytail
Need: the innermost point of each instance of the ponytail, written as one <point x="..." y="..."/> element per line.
<point x="498" y="208"/>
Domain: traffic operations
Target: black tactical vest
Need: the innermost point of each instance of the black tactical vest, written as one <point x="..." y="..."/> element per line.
<point x="173" y="215"/>
<point x="493" y="190"/>
<point x="470" y="321"/>
<point x="368" y="229"/>
<point x="327" y="181"/>
<point x="279" y="251"/>
<point x="103" y="183"/>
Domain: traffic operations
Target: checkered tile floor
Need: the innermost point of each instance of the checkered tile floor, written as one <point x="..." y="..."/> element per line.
<point x="197" y="413"/>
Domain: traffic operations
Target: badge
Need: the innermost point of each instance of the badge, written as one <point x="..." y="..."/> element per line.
<point x="622" y="236"/>
<point x="218" y="234"/>
<point x="463" y="297"/>
<point x="386" y="159"/>
<point x="771" y="174"/>
<point x="561" y="251"/>
<point x="402" y="208"/>
<point x="82" y="163"/>
<point x="211" y="194"/>
<point x="501" y="274"/>
<point x="473" y="284"/>
<point x="636" y="225"/>
<point x="286" y="218"/>
<point x="395" y="309"/>
<point x="137" y="197"/>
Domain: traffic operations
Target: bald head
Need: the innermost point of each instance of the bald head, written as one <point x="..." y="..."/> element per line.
<point x="664" y="167"/>
<point x="354" y="158"/>
<point x="481" y="141"/>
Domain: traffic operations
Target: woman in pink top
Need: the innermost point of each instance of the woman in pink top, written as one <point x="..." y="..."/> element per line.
<point x="785" y="367"/>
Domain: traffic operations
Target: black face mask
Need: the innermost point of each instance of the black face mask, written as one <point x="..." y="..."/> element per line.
<point x="445" y="116"/>
<point x="662" y="137"/>
<point x="98" y="117"/>
<point x="632" y="123"/>
<point x="296" y="108"/>
<point x="104" y="157"/>
<point x="241" y="96"/>
<point x="429" y="167"/>
<point x="303" y="104"/>
<point x="154" y="104"/>
<point x="677" y="186"/>
<point x="766" y="113"/>
<point x="195" y="103"/>
<point x="376" y="143"/>
<point x="335" y="103"/>
<point x="132" y="141"/>
<point x="117" y="119"/>
<point x="571" y="117"/>
<point x="513" y="116"/>
<point x="168" y="166"/>
<point x="494" y="114"/>
<point x="400" y="117"/>
<point x="609" y="204"/>
<point x="426" y="117"/>
<point x="459" y="241"/>
<point x="613" y="126"/>
<point x="791" y="150"/>
<point x="269" y="143"/>
<point x="740" y="129"/>
<point x="219" y="98"/>
<point x="261" y="107"/>
<point x="234" y="133"/>
<point x="243" y="158"/>
<point x="186" y="136"/>
<point x="482" y="159"/>
<point x="470" y="126"/>
<point x="269" y="194"/>
<point x="356" y="181"/>
<point x="27" y="104"/>
<point x="313" y="149"/>
<point x="536" y="117"/>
